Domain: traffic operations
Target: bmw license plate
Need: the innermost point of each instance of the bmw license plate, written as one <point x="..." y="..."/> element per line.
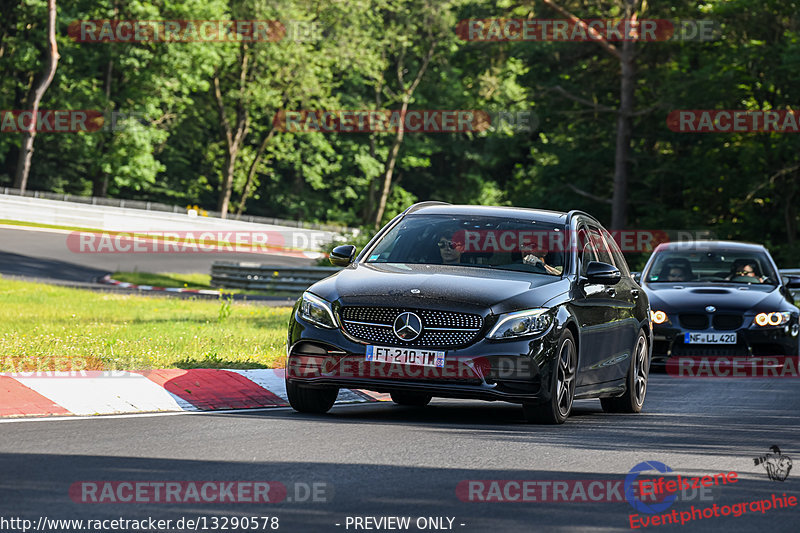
<point x="405" y="356"/>
<point x="709" y="338"/>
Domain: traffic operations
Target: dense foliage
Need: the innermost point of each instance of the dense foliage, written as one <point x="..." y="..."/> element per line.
<point x="190" y="98"/>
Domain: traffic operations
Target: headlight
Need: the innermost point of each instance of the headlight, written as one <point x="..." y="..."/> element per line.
<point x="317" y="311"/>
<point x="658" y="317"/>
<point x="521" y="324"/>
<point x="772" y="319"/>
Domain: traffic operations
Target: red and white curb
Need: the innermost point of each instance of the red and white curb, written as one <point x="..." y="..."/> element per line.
<point x="108" y="280"/>
<point x="117" y="392"/>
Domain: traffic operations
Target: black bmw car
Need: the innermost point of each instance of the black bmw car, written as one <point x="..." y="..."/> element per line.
<point x="719" y="298"/>
<point x="494" y="303"/>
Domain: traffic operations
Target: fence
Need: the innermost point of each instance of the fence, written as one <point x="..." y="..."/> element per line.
<point x="232" y="275"/>
<point x="255" y="276"/>
<point x="164" y="208"/>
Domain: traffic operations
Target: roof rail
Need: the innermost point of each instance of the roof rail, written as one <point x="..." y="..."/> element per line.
<point x="420" y="205"/>
<point x="579" y="212"/>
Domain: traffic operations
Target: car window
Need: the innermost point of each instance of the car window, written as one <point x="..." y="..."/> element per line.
<point x="603" y="253"/>
<point x="720" y="265"/>
<point x="616" y="254"/>
<point x="587" y="252"/>
<point x="503" y="243"/>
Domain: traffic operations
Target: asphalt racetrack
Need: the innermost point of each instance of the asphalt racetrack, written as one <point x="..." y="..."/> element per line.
<point x="380" y="460"/>
<point x="43" y="253"/>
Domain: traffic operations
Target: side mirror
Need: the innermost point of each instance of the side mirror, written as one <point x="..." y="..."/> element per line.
<point x="598" y="273"/>
<point x="637" y="276"/>
<point x="343" y="255"/>
<point x="792" y="282"/>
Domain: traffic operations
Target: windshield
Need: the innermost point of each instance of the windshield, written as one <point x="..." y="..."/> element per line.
<point x="474" y="241"/>
<point x="711" y="266"/>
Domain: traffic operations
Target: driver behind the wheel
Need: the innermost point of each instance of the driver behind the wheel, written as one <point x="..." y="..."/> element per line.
<point x="745" y="270"/>
<point x="677" y="273"/>
<point x="451" y="246"/>
<point x="536" y="256"/>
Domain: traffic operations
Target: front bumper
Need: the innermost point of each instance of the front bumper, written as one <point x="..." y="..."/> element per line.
<point x="752" y="341"/>
<point x="512" y="371"/>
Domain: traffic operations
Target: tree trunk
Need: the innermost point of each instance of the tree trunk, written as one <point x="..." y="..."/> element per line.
<point x="26" y="148"/>
<point x="100" y="178"/>
<point x="251" y="173"/>
<point x="626" y="56"/>
<point x="234" y="137"/>
<point x="619" y="200"/>
<point x="368" y="209"/>
<point x="390" y="163"/>
<point x="407" y="93"/>
<point x="227" y="181"/>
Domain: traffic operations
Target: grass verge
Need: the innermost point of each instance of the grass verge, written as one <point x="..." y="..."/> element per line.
<point x="44" y="327"/>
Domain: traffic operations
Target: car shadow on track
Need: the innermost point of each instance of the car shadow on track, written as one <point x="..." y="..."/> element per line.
<point x="34" y="485"/>
<point x="682" y="415"/>
<point x="40" y="267"/>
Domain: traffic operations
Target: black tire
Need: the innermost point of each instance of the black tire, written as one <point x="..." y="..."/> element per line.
<point x="562" y="386"/>
<point x="635" y="383"/>
<point x="310" y="400"/>
<point x="411" y="399"/>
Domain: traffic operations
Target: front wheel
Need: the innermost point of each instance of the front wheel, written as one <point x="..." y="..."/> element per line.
<point x="636" y="382"/>
<point x="562" y="386"/>
<point x="310" y="400"/>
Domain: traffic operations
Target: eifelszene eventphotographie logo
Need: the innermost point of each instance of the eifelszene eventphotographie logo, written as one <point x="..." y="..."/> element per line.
<point x="776" y="464"/>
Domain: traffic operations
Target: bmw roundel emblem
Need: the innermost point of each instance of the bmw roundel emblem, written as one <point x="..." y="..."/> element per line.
<point x="407" y="326"/>
<point x="710" y="309"/>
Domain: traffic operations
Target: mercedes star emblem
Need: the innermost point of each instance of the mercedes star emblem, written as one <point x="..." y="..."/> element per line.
<point x="407" y="326"/>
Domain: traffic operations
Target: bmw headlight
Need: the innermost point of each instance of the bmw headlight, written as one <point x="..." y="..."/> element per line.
<point x="658" y="317"/>
<point x="773" y="319"/>
<point x="317" y="311"/>
<point x="521" y="324"/>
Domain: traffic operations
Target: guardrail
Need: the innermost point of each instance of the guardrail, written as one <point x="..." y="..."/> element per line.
<point x="164" y="208"/>
<point x="255" y="276"/>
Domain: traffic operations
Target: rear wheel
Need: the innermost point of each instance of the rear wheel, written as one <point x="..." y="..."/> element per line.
<point x="562" y="386"/>
<point x="636" y="382"/>
<point x="310" y="400"/>
<point x="411" y="399"/>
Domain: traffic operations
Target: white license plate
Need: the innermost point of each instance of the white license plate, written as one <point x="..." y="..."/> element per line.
<point x="709" y="338"/>
<point x="405" y="356"/>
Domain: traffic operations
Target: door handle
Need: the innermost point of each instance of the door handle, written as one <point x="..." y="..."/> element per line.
<point x="611" y="292"/>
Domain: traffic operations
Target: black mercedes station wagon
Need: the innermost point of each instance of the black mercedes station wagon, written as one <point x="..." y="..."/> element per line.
<point x="717" y="299"/>
<point x="494" y="303"/>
